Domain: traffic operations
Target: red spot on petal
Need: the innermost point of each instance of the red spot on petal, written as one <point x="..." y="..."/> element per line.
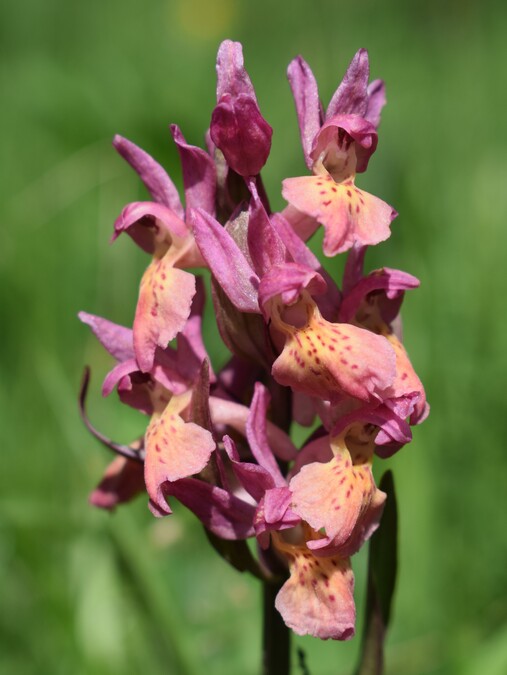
<point x="344" y="361"/>
<point x="331" y="597"/>
<point x="326" y="203"/>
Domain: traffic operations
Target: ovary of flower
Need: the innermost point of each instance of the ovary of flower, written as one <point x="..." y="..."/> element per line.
<point x="174" y="448"/>
<point x="330" y="361"/>
<point x="317" y="599"/>
<point x="348" y="214"/>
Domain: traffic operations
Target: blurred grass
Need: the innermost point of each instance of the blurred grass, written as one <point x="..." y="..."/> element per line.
<point x="83" y="592"/>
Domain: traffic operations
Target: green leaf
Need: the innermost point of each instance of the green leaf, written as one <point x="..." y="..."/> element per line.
<point x="382" y="567"/>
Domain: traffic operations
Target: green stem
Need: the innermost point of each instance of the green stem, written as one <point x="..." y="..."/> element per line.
<point x="276" y="635"/>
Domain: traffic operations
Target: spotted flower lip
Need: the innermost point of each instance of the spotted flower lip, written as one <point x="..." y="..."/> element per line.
<point x="317" y="599"/>
<point x="319" y="358"/>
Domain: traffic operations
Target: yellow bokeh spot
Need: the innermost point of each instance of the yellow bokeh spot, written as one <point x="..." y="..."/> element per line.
<point x="206" y="19"/>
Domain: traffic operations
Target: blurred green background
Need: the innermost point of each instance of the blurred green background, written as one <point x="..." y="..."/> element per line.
<point x="88" y="593"/>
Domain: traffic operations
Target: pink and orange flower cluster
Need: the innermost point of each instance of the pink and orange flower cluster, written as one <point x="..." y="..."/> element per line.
<point x="302" y="349"/>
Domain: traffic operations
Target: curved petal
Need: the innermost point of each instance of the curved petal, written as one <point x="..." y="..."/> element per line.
<point x="376" y="101"/>
<point x="265" y="246"/>
<point x="392" y="282"/>
<point x="221" y="512"/>
<point x="122" y="481"/>
<point x="226" y="261"/>
<point x="406" y="384"/>
<point x="232" y="77"/>
<point x="152" y="226"/>
<point x="256" y="433"/>
<point x="236" y="415"/>
<point x="351" y="97"/>
<point x="157" y="182"/>
<point x="116" y="339"/>
<point x="306" y="97"/>
<point x="289" y="281"/>
<point x="199" y="175"/>
<point x="117" y="373"/>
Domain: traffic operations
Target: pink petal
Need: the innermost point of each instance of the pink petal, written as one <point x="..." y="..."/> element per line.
<point x="174" y="449"/>
<point x="406" y="383"/>
<point x="232" y="77"/>
<point x="116" y="339"/>
<point x="289" y="281"/>
<point x="256" y="433"/>
<point x="351" y="96"/>
<point x="165" y="299"/>
<point x="221" y="512"/>
<point x="376" y="101"/>
<point x="152" y="226"/>
<point x="122" y="481"/>
<point x="264" y="243"/>
<point x="236" y="416"/>
<point x="348" y="214"/>
<point x="318" y="597"/>
<point x="226" y="261"/>
<point x="306" y="97"/>
<point x="199" y="175"/>
<point x="158" y="183"/>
